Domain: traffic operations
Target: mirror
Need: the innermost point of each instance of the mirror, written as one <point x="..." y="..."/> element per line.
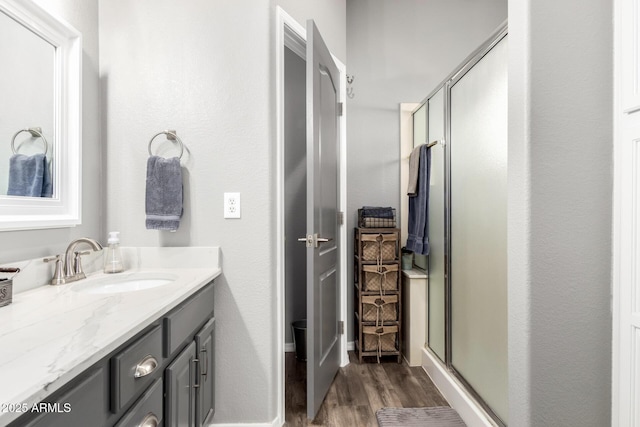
<point x="39" y="118"/>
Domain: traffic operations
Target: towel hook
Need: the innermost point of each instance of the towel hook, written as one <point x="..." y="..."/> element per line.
<point x="35" y="132"/>
<point x="171" y="136"/>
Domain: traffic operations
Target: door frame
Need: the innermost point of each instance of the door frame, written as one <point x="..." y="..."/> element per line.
<point x="289" y="33"/>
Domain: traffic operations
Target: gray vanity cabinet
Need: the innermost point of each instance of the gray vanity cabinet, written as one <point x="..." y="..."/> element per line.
<point x="205" y="404"/>
<point x="84" y="403"/>
<point x="164" y="376"/>
<point x="180" y="390"/>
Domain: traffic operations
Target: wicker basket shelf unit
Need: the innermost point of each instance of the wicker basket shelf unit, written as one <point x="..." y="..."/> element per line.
<point x="377" y="296"/>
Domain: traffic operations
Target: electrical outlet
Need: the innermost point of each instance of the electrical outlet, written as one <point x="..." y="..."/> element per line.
<point x="232" y="205"/>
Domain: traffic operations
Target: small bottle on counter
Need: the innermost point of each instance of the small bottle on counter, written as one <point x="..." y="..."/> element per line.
<point x="112" y="256"/>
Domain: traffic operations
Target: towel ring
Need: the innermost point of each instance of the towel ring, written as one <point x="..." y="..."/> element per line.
<point x="35" y="132"/>
<point x="171" y="136"/>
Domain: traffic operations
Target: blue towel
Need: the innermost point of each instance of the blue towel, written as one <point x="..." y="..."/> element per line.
<point x="163" y="201"/>
<point x="377" y="212"/>
<point x="418" y="239"/>
<point x="29" y="176"/>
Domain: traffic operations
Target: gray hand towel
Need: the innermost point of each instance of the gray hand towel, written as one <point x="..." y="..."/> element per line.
<point x="29" y="176"/>
<point x="163" y="201"/>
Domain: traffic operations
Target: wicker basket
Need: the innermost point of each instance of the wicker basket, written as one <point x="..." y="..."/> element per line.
<point x="380" y="277"/>
<point x="379" y="247"/>
<point x="382" y="338"/>
<point x="380" y="309"/>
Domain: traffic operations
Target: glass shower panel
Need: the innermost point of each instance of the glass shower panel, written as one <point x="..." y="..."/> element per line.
<point x="419" y="138"/>
<point x="420" y="126"/>
<point x="436" y="298"/>
<point x="478" y="280"/>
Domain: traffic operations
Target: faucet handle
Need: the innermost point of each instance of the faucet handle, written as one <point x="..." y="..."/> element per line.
<point x="77" y="269"/>
<point x="58" y="275"/>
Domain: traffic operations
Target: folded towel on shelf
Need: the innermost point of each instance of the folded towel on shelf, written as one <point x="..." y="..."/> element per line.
<point x="377" y="212"/>
<point x="378" y="222"/>
<point x="29" y="176"/>
<point x="414" y="163"/>
<point x="163" y="201"/>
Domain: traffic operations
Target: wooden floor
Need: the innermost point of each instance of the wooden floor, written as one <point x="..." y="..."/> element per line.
<point x="358" y="391"/>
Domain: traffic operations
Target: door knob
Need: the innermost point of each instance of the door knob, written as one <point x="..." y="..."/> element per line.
<point x="313" y="241"/>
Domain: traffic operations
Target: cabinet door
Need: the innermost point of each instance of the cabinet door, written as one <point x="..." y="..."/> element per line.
<point x="180" y="391"/>
<point x="205" y="404"/>
<point x="86" y="403"/>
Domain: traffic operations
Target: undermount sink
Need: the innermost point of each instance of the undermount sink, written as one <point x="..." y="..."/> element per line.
<point x="123" y="282"/>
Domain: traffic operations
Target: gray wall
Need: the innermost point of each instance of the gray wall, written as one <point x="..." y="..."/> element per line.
<point x="206" y="69"/>
<point x="21" y="245"/>
<point x="560" y="225"/>
<point x="295" y="189"/>
<point x="399" y="52"/>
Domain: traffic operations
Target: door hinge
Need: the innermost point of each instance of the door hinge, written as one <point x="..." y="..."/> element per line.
<point x="340" y="108"/>
<point x="340" y="218"/>
<point x="341" y="326"/>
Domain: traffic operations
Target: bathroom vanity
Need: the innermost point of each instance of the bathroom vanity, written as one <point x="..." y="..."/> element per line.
<point x="136" y="348"/>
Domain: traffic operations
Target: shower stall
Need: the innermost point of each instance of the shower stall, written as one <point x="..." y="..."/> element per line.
<point x="467" y="265"/>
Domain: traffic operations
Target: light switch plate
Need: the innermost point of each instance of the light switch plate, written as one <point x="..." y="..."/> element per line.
<point x="232" y="205"/>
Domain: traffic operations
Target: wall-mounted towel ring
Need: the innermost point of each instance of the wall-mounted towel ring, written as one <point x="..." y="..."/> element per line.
<point x="171" y="136"/>
<point x="35" y="132"/>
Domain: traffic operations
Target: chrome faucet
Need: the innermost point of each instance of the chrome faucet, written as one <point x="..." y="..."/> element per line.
<point x="69" y="269"/>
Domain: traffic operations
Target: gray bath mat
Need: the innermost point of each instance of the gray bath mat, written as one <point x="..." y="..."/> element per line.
<point x="439" y="416"/>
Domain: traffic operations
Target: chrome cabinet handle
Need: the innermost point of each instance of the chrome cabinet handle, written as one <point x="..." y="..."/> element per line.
<point x="206" y="364"/>
<point x="323" y="239"/>
<point x="150" y="420"/>
<point x="146" y="366"/>
<point x="196" y="367"/>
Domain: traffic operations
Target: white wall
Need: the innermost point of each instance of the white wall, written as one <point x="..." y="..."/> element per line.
<point x="20" y="245"/>
<point x="559" y="237"/>
<point x="206" y="69"/>
<point x="399" y="52"/>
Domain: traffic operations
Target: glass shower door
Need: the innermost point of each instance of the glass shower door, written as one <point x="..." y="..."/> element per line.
<point x="478" y="275"/>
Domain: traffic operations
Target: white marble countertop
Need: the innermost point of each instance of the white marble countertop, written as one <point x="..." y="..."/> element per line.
<point x="51" y="334"/>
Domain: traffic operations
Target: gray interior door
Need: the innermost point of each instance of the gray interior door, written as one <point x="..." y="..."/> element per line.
<point x="323" y="343"/>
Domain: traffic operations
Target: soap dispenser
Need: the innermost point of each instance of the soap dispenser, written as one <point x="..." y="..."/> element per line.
<point x="113" y="257"/>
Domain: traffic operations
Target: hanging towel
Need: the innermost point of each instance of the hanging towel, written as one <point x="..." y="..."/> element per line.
<point x="29" y="176"/>
<point x="47" y="182"/>
<point x="418" y="239"/>
<point x="163" y="201"/>
<point x="414" y="163"/>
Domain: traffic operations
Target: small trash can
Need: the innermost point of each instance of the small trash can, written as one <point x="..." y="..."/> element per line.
<point x="300" y="339"/>
<point x="407" y="259"/>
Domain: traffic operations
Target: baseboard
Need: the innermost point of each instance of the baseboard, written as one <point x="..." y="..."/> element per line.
<point x="471" y="413"/>
<point x="351" y="345"/>
<point x="273" y="423"/>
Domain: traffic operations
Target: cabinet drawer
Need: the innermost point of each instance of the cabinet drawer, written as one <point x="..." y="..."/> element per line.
<point x="148" y="408"/>
<point x="84" y="404"/>
<point x="181" y="325"/>
<point x="133" y="369"/>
